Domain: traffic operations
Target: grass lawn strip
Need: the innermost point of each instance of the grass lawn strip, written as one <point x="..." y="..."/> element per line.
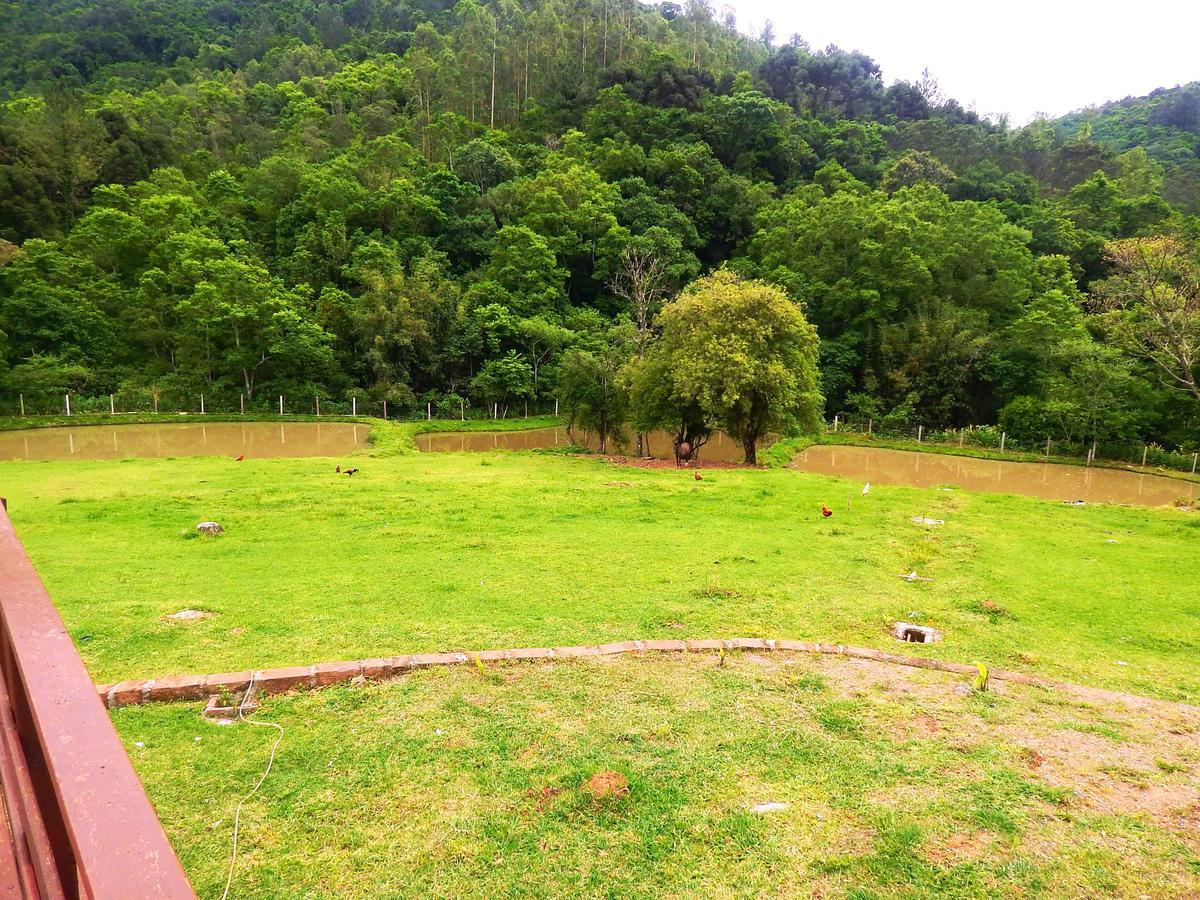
<point x="892" y="783"/>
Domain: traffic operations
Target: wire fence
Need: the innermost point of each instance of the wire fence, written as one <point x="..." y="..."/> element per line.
<point x="148" y="403"/>
<point x="994" y="439"/>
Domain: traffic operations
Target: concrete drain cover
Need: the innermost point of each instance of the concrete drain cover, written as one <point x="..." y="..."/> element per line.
<point x="915" y="634"/>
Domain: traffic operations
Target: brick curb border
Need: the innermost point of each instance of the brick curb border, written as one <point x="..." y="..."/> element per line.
<point x="274" y="681"/>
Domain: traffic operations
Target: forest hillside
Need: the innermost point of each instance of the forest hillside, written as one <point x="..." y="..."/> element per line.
<point x="429" y="202"/>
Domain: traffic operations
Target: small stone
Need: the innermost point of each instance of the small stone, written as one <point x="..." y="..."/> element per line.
<point x="768" y="807"/>
<point x="212" y="528"/>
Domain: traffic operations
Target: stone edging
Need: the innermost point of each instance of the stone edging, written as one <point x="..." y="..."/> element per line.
<point x="272" y="681"/>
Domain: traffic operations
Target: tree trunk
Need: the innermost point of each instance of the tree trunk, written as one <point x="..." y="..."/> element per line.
<point x="492" y="101"/>
<point x="749" y="444"/>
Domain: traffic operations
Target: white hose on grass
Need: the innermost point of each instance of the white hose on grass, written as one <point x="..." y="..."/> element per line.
<point x="237" y="816"/>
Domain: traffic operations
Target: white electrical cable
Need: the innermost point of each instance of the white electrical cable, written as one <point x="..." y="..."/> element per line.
<point x="237" y="816"/>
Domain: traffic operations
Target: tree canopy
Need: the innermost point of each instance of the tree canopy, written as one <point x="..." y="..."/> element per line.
<point x="427" y="202"/>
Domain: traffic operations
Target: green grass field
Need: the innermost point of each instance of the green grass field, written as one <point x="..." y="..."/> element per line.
<point x="453" y="782"/>
<point x="459" y="551"/>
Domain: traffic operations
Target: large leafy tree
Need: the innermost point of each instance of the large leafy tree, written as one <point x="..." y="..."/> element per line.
<point x="743" y="353"/>
<point x="1152" y="306"/>
<point x="592" y="392"/>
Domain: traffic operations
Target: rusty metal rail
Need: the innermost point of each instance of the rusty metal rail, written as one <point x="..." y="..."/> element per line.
<point x="76" y="820"/>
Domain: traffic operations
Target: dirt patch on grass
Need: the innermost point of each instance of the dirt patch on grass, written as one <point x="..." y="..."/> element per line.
<point x="1110" y="756"/>
<point x="957" y="848"/>
<point x="187" y="615"/>
<point x="543" y="796"/>
<point x="607" y="784"/>
<point x="638" y="462"/>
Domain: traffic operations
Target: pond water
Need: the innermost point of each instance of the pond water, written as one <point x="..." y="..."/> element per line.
<point x="721" y="448"/>
<point x="254" y="439"/>
<point x="1045" y="480"/>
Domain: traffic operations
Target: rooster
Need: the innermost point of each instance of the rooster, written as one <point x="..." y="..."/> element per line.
<point x="699" y="477"/>
<point x="338" y="469"/>
<point x="351" y="472"/>
<point x="826" y="511"/>
<point x="240" y="458"/>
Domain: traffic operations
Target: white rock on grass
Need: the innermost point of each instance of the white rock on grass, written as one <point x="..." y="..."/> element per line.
<point x="768" y="807"/>
<point x="210" y="528"/>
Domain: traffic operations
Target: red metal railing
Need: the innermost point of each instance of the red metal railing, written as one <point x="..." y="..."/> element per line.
<point x="78" y="821"/>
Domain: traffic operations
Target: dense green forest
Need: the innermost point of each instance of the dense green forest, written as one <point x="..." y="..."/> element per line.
<point x="1166" y="124"/>
<point x="427" y="202"/>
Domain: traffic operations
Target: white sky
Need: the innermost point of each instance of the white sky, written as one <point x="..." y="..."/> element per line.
<point x="1020" y="57"/>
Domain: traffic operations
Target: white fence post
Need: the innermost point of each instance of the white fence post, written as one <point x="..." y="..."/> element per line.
<point x="1145" y="453"/>
<point x="429" y="411"/>
<point x="317" y="397"/>
<point x="22" y="406"/>
<point x="1195" y="459"/>
<point x="201" y="404"/>
<point x="1003" y="439"/>
<point x="1047" y="446"/>
<point x="462" y="409"/>
<point x="67" y="397"/>
<point x="835" y="424"/>
<point x="281" y="404"/>
<point x="920" y="433"/>
<point x="242" y="403"/>
<point x="112" y="406"/>
<point x="354" y="406"/>
<point x="556" y="407"/>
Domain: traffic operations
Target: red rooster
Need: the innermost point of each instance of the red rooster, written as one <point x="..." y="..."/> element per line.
<point x="240" y="458"/>
<point x="826" y="511"/>
<point x="699" y="477"/>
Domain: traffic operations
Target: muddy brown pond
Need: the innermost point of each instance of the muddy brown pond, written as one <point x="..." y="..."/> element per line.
<point x="254" y="439"/>
<point x="1046" y="480"/>
<point x="720" y="448"/>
